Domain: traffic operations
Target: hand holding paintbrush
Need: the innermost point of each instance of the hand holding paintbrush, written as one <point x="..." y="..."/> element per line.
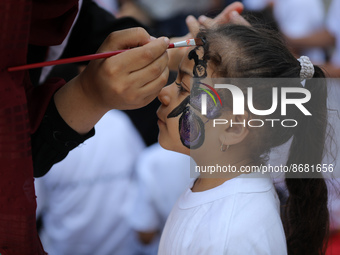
<point x="126" y="81"/>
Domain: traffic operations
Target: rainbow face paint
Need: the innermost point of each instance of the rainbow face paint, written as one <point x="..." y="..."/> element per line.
<point x="213" y="107"/>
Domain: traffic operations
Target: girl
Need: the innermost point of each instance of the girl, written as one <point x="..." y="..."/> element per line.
<point x="234" y="213"/>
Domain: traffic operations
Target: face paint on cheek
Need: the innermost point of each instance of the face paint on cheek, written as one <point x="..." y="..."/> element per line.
<point x="190" y="126"/>
<point x="191" y="129"/>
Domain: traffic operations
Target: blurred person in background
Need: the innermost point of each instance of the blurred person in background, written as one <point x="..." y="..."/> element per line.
<point x="168" y="17"/>
<point x="160" y="177"/>
<point x="82" y="200"/>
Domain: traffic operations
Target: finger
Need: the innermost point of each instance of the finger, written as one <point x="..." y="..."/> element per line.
<point x="150" y="98"/>
<point x="149" y="92"/>
<point x="140" y="57"/>
<point x="206" y="22"/>
<point x="236" y="18"/>
<point x="224" y="16"/>
<point x="150" y="72"/>
<point x="125" y="39"/>
<point x="192" y="24"/>
<point x="153" y="88"/>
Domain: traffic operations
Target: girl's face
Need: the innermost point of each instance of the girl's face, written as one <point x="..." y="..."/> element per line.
<point x="180" y="126"/>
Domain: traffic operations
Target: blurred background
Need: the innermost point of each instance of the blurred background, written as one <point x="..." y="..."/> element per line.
<point x="112" y="195"/>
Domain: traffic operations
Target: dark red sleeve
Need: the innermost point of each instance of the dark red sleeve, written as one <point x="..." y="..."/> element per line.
<point x="38" y="99"/>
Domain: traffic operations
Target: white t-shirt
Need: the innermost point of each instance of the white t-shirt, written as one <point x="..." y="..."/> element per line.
<point x="300" y="18"/>
<point x="165" y="9"/>
<point x="255" y="5"/>
<point x="295" y="18"/>
<point x="82" y="199"/>
<point x="333" y="25"/>
<point x="241" y="216"/>
<point x="112" y="6"/>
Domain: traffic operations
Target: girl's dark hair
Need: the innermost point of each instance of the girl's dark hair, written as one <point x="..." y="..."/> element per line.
<point x="246" y="52"/>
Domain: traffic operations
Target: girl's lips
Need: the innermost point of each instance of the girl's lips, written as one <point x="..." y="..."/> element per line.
<point x="160" y="121"/>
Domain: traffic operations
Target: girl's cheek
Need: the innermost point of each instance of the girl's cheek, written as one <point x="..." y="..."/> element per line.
<point x="191" y="129"/>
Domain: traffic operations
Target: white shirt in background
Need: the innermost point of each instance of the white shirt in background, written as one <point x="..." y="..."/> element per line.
<point x="300" y="18"/>
<point x="82" y="199"/>
<point x="333" y="26"/>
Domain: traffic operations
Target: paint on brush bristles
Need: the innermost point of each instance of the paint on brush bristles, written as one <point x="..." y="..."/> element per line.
<point x="202" y="41"/>
<point x="187" y="43"/>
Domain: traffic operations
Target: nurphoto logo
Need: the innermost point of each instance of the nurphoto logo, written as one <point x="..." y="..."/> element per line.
<point x="238" y="106"/>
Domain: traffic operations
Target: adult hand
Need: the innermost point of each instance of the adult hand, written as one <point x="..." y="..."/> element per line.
<point x="131" y="79"/>
<point x="230" y="14"/>
<point x="128" y="80"/>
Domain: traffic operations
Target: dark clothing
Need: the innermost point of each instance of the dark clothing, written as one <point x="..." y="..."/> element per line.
<point x="53" y="141"/>
<point x="24" y="22"/>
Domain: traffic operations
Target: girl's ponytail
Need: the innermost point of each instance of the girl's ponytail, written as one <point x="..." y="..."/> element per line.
<point x="306" y="216"/>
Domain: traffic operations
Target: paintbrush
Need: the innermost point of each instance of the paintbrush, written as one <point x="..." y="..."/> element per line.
<point x="186" y="43"/>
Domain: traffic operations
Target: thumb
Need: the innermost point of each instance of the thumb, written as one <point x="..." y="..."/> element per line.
<point x="206" y="22"/>
<point x="125" y="39"/>
<point x="236" y="18"/>
<point x="192" y="24"/>
<point x="223" y="17"/>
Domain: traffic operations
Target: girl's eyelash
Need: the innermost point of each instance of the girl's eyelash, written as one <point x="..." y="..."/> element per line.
<point x="180" y="87"/>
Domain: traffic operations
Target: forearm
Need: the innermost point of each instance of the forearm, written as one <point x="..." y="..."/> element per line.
<point x="320" y="38"/>
<point x="76" y="108"/>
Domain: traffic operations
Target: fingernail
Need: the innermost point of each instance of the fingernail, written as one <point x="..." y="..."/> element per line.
<point x="202" y="18"/>
<point x="190" y="18"/>
<point x="152" y="38"/>
<point x="167" y="40"/>
<point x="234" y="14"/>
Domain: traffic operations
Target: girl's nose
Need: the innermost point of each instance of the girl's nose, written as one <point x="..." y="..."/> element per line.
<point x="164" y="96"/>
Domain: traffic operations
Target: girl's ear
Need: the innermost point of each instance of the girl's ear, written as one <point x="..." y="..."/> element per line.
<point x="237" y="130"/>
